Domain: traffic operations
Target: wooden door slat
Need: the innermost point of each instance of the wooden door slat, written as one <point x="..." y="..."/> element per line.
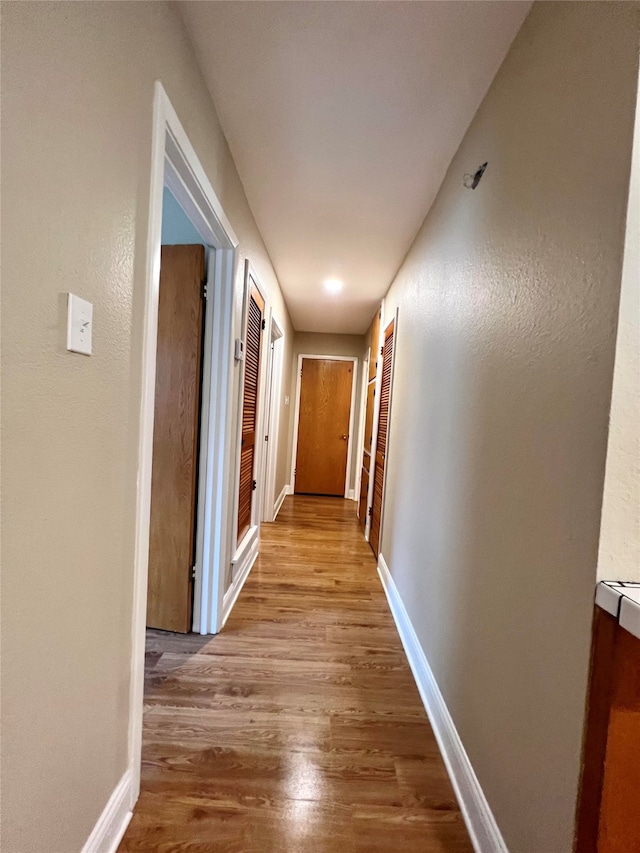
<point x="381" y="439"/>
<point x="250" y="395"/>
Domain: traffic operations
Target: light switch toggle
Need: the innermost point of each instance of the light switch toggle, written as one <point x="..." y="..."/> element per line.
<point x="79" y="324"/>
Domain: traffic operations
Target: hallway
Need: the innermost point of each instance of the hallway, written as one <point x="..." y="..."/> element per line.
<point x="299" y="727"/>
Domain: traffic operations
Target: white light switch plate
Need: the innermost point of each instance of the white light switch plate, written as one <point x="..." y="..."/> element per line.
<point x="79" y="324"/>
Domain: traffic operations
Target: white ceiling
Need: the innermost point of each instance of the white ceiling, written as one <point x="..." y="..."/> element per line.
<point x="342" y="118"/>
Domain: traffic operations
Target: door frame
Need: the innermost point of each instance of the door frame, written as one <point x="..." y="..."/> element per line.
<point x="376" y="411"/>
<point x="196" y="524"/>
<point x="175" y="163"/>
<point x="296" y="415"/>
<point x="245" y="552"/>
<point x="271" y="426"/>
<point x="363" y="414"/>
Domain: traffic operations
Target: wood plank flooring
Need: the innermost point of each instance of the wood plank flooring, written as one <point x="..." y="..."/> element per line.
<point x="299" y="727"/>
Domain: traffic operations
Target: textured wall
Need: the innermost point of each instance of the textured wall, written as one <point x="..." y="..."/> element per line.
<point x="619" y="552"/>
<point x="317" y="343"/>
<point x="77" y="93"/>
<point x="508" y="302"/>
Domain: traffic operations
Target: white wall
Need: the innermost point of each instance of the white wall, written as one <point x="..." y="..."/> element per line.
<point x="77" y="95"/>
<point x="619" y="552"/>
<point x="505" y="346"/>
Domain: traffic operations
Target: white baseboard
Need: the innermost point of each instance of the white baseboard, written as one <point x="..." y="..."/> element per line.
<point x="242" y="564"/>
<point x="112" y="823"/>
<point x="482" y="826"/>
<point x="280" y="501"/>
<point x="351" y="495"/>
<point x="289" y="490"/>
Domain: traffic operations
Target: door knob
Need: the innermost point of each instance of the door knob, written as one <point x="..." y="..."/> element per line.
<point x="345" y="437"/>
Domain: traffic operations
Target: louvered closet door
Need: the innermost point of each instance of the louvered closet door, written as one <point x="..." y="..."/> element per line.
<point x="381" y="445"/>
<point x="250" y="410"/>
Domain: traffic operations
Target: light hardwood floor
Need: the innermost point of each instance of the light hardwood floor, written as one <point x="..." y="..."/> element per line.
<point x="299" y="727"/>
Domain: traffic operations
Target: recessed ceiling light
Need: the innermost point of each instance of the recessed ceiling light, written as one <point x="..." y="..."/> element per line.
<point x="333" y="285"/>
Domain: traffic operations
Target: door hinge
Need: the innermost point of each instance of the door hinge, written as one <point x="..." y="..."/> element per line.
<point x="370" y="513"/>
<point x="254" y="486"/>
<point x="381" y="352"/>
<point x="266" y="438"/>
<point x="193" y="573"/>
<point x="264" y="324"/>
<point x="205" y="290"/>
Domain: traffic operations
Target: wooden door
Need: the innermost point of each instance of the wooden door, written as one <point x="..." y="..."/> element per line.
<point x="323" y="426"/>
<point x="252" y="350"/>
<point x="382" y="435"/>
<point x="175" y="438"/>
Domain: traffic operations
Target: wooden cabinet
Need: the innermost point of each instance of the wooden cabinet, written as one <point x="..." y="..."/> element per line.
<point x="362" y="503"/>
<point x="608" y="815"/>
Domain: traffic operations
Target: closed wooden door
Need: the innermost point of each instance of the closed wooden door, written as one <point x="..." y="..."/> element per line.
<point x="382" y="436"/>
<point x="252" y="350"/>
<point x="323" y="426"/>
<point x="175" y="438"/>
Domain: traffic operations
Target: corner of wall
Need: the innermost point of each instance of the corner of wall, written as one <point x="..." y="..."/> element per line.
<point x="114" y="820"/>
